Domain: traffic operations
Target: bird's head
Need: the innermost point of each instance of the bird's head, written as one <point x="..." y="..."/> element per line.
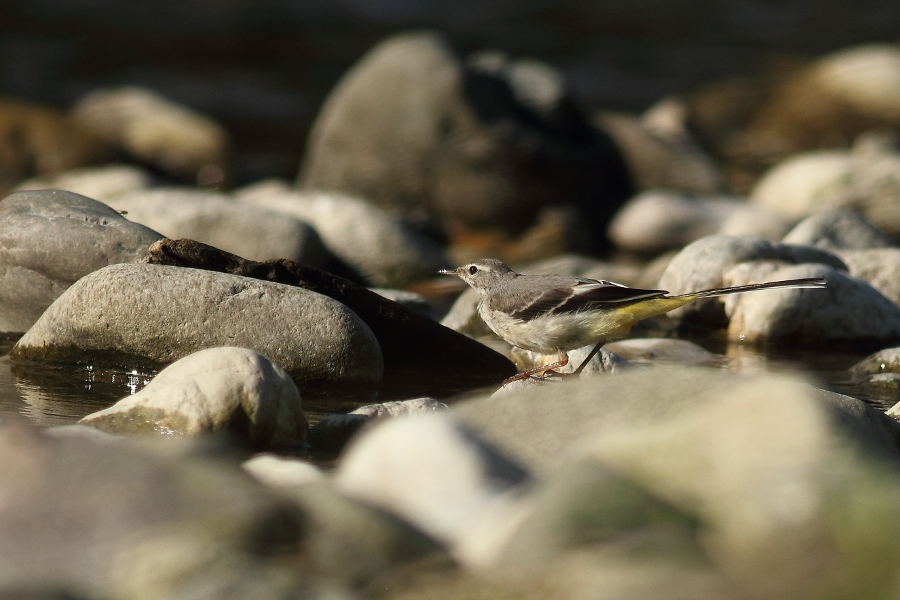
<point x="482" y="273"/>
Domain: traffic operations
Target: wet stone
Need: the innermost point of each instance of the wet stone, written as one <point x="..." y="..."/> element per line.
<point x="162" y="313"/>
<point x="233" y="392"/>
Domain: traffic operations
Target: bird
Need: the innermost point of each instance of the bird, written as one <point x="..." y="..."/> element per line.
<point x="553" y="314"/>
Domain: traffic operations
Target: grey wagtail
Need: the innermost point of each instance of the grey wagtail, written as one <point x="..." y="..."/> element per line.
<point x="557" y="313"/>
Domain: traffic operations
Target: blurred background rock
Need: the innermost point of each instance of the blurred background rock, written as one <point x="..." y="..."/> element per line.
<point x="262" y="68"/>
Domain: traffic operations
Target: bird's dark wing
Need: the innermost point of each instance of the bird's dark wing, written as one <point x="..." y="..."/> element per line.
<point x="582" y="294"/>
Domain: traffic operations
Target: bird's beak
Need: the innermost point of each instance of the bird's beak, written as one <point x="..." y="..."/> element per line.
<point x="449" y="272"/>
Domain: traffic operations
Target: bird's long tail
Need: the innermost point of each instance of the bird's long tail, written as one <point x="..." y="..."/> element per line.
<point x="663" y="304"/>
<point x="809" y="282"/>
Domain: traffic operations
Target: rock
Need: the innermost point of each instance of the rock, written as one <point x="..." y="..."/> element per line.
<point x="463" y="315"/>
<point x="662" y="155"/>
<point x="770" y="472"/>
<point x="378" y="246"/>
<point x="332" y="432"/>
<point x="140" y="523"/>
<point x="39" y="140"/>
<point x="440" y="477"/>
<point x="48" y="240"/>
<point x="883" y="361"/>
<point x="100" y="183"/>
<point x="879" y="267"/>
<point x="420" y="356"/>
<point x="164" y="313"/>
<point x="660" y="220"/>
<point x="806" y="183"/>
<point x="661" y="351"/>
<point x="702" y="264"/>
<point x="232" y="391"/>
<point x="825" y="104"/>
<point x="481" y="145"/>
<point x="839" y="228"/>
<point x="783" y="480"/>
<point x="171" y="137"/>
<point x="848" y="309"/>
<point x="411" y="300"/>
<point x="216" y="219"/>
<point x="355" y="543"/>
<point x="280" y="472"/>
<point x="864" y="180"/>
<point x="583" y="504"/>
<point x="400" y="408"/>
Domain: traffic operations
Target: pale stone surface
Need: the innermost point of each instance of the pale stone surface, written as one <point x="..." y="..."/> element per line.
<point x="839" y="228"/>
<point x="213" y="218"/>
<point x="226" y="390"/>
<point x="864" y="179"/>
<point x="278" y="471"/>
<point x="378" y="245"/>
<point x="165" y="313"/>
<point x="879" y="267"/>
<point x="702" y="265"/>
<point x="99" y="183"/>
<point x="440" y="477"/>
<point x="659" y="220"/>
<point x="48" y="240"/>
<point x="176" y="139"/>
<point x="848" y="309"/>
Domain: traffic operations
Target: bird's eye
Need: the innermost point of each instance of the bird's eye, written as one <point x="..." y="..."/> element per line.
<point x="473" y="269"/>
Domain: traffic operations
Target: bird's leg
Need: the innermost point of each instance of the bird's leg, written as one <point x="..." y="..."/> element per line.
<point x="526" y="374"/>
<point x="588" y="359"/>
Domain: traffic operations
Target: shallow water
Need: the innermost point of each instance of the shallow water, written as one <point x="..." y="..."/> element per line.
<point x="51" y="395"/>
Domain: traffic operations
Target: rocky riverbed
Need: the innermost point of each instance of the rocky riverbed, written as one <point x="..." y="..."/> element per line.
<point x="267" y="391"/>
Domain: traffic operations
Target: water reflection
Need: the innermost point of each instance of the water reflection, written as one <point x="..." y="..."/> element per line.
<point x="57" y="395"/>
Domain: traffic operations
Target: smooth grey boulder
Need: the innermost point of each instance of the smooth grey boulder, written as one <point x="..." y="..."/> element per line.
<point x="839" y="228"/>
<point x="380" y="247"/>
<point x="659" y="220"/>
<point x="48" y="240"/>
<point x="85" y="518"/>
<point x="783" y="480"/>
<point x="486" y="143"/>
<point x="463" y="315"/>
<point x="232" y="391"/>
<point x="702" y="265"/>
<point x="879" y="267"/>
<point x="848" y="309"/>
<point x="100" y="183"/>
<point x="439" y="476"/>
<point x="164" y="313"/>
<point x="217" y="219"/>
